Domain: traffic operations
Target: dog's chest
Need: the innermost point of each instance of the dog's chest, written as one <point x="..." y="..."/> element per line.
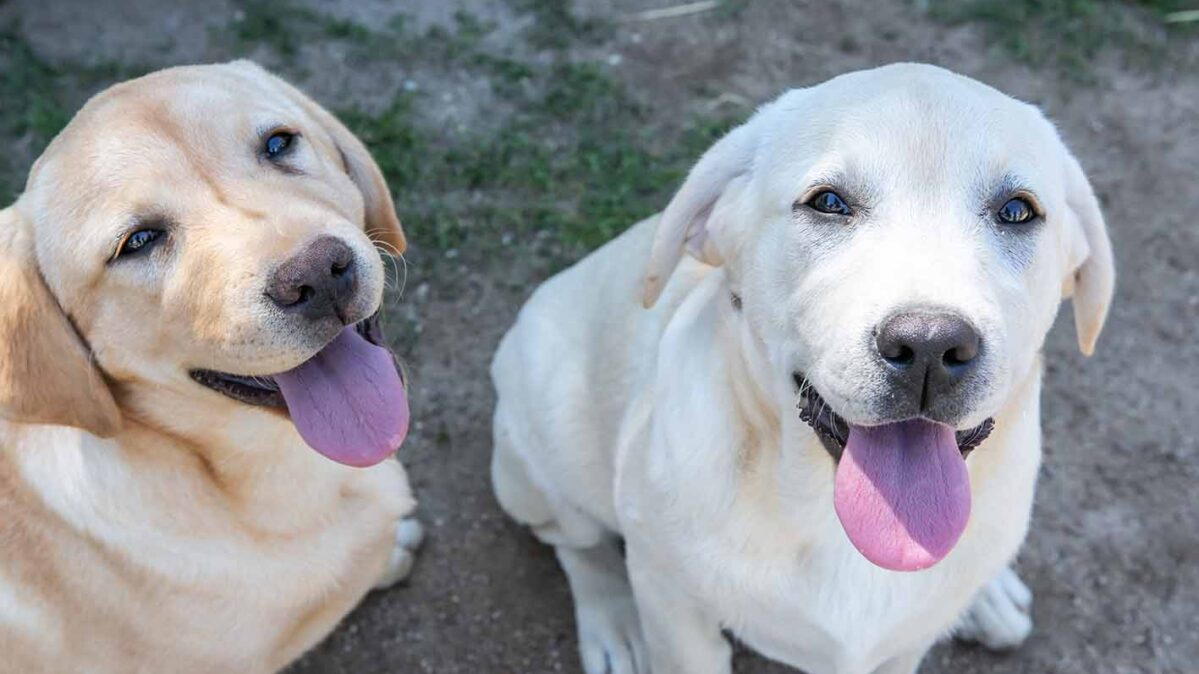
<point x="829" y="616"/>
<point x="821" y="607"/>
<point x="780" y="574"/>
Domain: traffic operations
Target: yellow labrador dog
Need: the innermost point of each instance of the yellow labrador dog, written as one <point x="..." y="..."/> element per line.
<point x="187" y="293"/>
<point x="807" y="394"/>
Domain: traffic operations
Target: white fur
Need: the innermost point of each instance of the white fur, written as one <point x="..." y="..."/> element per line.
<point x="674" y="426"/>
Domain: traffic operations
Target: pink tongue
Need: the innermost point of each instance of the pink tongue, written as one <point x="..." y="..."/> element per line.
<point x="347" y="401"/>
<point x="902" y="493"/>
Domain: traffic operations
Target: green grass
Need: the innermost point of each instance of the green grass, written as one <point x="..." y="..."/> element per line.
<point x="1069" y="34"/>
<point x="284" y="27"/>
<point x="30" y="111"/>
<point x="555" y="26"/>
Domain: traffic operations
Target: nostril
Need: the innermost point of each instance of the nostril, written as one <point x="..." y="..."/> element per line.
<point x="954" y="358"/>
<point x="286" y="295"/>
<point x="892" y="347"/>
<point x="338" y="269"/>
<point x="304" y="295"/>
<point x="966" y="349"/>
<point x="900" y="355"/>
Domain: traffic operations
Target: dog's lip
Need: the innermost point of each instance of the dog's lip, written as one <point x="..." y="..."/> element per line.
<point x="257" y="391"/>
<point x="833" y="429"/>
<point x="263" y="390"/>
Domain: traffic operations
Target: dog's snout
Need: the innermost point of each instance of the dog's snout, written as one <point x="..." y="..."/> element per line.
<point x="929" y="351"/>
<point x="318" y="282"/>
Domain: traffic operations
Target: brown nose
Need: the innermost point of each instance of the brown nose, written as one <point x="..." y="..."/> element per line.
<point x="318" y="282"/>
<point x="928" y="351"/>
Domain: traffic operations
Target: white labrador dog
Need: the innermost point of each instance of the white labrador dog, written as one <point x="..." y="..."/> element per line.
<point x="778" y="424"/>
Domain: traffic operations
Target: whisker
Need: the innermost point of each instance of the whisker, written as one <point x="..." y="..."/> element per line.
<point x="396" y="259"/>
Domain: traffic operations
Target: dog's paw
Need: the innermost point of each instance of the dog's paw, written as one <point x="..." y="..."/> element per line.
<point x="409" y="535"/>
<point x="610" y="639"/>
<point x="1000" y="617"/>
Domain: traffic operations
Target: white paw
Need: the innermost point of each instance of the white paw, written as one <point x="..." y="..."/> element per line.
<point x="610" y="637"/>
<point x="409" y="535"/>
<point x="1000" y="617"/>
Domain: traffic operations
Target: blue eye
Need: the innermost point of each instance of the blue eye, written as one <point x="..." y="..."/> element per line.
<point x="1016" y="211"/>
<point x="141" y="240"/>
<point x="277" y="144"/>
<point x="830" y="202"/>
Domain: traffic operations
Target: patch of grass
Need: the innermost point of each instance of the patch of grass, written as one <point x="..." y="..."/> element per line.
<point x="573" y="161"/>
<point x="283" y="26"/>
<point x="39" y="99"/>
<point x="27" y="79"/>
<point x="1164" y="7"/>
<point x="555" y="26"/>
<point x="1066" y="34"/>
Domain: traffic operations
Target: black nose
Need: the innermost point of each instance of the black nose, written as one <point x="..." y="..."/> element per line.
<point x="318" y="282"/>
<point x="928" y="350"/>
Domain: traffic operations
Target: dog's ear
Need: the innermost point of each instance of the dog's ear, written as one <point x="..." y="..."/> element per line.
<point x="694" y="213"/>
<point x="1090" y="276"/>
<point x="46" y="372"/>
<point x="382" y="223"/>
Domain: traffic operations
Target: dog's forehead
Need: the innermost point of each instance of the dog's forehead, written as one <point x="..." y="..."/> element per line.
<point x="147" y="138"/>
<point x="908" y="124"/>
<point x="202" y="115"/>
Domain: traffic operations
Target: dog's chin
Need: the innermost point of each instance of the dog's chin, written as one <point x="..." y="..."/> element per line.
<point x="833" y="429"/>
<point x="263" y="391"/>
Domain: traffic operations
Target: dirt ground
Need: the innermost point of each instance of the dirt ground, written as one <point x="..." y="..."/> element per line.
<point x="1113" y="554"/>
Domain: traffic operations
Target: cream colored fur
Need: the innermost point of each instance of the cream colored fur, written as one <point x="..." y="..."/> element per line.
<point x="646" y="393"/>
<point x="148" y="524"/>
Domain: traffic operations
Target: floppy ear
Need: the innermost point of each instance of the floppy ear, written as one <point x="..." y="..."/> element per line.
<point x="382" y="223"/>
<point x="1091" y="274"/>
<point x="693" y="213"/>
<point x="46" y="372"/>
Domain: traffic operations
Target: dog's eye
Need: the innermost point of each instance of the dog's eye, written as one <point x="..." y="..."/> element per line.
<point x="829" y="201"/>
<point x="1016" y="211"/>
<point x="138" y="241"/>
<point x="278" y="143"/>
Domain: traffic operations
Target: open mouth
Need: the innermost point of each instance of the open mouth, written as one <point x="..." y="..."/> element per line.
<point x="901" y="489"/>
<point x="263" y="391"/>
<point x="347" y="401"/>
<point x="834" y="430"/>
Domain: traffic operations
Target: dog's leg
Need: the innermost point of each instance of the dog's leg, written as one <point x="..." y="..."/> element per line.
<point x="609" y="631"/>
<point x="999" y="618"/>
<point x="409" y="534"/>
<point x="682" y="639"/>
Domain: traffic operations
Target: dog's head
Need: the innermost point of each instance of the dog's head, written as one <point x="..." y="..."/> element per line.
<point x="900" y="240"/>
<point x="205" y="234"/>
